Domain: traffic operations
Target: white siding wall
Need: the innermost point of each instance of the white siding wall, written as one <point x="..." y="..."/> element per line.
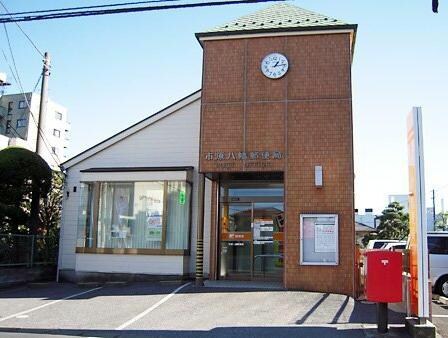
<point x="143" y="264"/>
<point x="170" y="141"/>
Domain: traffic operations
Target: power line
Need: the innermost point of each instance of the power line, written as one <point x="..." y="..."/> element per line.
<point x="16" y="77"/>
<point x="34" y="89"/>
<point x="26" y="35"/>
<point x="88" y="7"/>
<point x="72" y="14"/>
<point x="39" y="130"/>
<point x="37" y="82"/>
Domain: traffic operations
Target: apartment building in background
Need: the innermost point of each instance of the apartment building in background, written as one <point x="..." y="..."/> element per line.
<point x="19" y="116"/>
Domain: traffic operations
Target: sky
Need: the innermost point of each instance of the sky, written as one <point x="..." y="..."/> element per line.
<point x="112" y="71"/>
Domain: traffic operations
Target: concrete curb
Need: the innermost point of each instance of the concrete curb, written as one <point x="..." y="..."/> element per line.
<point x="417" y="330"/>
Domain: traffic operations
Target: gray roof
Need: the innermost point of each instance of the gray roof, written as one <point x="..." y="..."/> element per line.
<point x="278" y="17"/>
<point x="364" y="228"/>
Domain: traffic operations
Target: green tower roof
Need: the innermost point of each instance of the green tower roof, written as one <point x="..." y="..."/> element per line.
<point x="280" y="17"/>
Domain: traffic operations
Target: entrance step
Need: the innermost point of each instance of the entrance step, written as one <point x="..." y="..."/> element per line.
<point x="243" y="284"/>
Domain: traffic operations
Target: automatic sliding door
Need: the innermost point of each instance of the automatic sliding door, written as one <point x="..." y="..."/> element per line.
<point x="268" y="241"/>
<point x="236" y="240"/>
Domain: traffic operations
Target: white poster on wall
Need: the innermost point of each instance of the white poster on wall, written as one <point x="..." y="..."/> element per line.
<point x="325" y="237"/>
<point x="319" y="239"/>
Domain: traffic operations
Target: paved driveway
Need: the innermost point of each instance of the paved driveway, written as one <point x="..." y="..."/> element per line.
<point x="181" y="310"/>
<point x="440" y="317"/>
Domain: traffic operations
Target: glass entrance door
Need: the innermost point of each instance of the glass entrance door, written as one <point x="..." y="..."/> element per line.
<point x="236" y="240"/>
<point x="267" y="240"/>
<point x="251" y="232"/>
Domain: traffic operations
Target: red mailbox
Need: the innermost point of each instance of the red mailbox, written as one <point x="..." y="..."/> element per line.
<point x="383" y="276"/>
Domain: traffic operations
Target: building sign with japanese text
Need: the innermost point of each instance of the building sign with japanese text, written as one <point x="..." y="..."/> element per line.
<point x="243" y="155"/>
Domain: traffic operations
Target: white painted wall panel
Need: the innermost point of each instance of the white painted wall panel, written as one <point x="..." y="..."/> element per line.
<point x="142" y="264"/>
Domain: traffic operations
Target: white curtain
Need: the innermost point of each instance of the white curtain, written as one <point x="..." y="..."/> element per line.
<point x="178" y="215"/>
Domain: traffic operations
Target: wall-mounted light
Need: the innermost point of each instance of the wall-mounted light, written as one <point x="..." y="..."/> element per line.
<point x="318" y="176"/>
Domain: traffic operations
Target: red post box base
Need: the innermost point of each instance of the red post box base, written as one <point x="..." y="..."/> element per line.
<point x="382" y="317"/>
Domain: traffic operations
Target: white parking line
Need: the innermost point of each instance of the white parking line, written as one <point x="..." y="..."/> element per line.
<point x="440" y="316"/>
<point x="156" y="305"/>
<point x="48" y="304"/>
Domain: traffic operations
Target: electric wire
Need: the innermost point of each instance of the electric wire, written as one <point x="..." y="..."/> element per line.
<point x="19" y="82"/>
<point x="16" y="77"/>
<point x="26" y="35"/>
<point x="34" y="89"/>
<point x="37" y="82"/>
<point x="87" y="7"/>
<point x="59" y="15"/>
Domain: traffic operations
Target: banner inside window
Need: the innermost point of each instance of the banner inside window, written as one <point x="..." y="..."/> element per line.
<point x="319" y="239"/>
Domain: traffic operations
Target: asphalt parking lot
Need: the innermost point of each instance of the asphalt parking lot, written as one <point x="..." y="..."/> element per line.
<point x="182" y="310"/>
<point x="440" y="317"/>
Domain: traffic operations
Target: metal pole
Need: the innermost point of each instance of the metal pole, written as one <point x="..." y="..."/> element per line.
<point x="43" y="100"/>
<point x="200" y="233"/>
<point x="433" y="209"/>
<point x="382" y="318"/>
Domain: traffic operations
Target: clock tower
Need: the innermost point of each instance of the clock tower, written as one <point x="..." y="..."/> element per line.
<point x="276" y="143"/>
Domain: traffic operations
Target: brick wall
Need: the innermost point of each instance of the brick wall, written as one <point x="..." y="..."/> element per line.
<point x="306" y="115"/>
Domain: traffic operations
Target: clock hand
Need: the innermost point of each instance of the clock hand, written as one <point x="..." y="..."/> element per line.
<point x="276" y="64"/>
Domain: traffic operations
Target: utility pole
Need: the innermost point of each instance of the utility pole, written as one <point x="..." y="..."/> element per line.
<point x="433" y="210"/>
<point x="34" y="212"/>
<point x="43" y="100"/>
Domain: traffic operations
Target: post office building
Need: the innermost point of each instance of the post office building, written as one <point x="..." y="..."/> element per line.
<point x="250" y="178"/>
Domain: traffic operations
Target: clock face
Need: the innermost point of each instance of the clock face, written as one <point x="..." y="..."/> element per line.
<point x="274" y="65"/>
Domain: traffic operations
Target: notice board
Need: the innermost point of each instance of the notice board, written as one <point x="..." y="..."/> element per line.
<point x="319" y="239"/>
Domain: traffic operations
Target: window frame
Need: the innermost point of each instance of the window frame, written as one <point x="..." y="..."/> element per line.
<point x="21" y="120"/>
<point x="22" y="104"/>
<point x="56" y="133"/>
<point x="58" y="116"/>
<point x="137" y="251"/>
<point x="8" y="127"/>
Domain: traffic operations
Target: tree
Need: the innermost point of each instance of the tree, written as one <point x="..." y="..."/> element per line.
<point x="23" y="173"/>
<point x="394" y="224"/>
<point x="441" y="221"/>
<point x="51" y="206"/>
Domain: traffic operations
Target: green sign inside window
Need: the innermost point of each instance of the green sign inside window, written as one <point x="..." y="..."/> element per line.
<point x="182" y="197"/>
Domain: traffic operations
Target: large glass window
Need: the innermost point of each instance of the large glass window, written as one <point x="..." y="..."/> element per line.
<point x="135" y="215"/>
<point x="178" y="215"/>
<point x="115" y="215"/>
<point x="85" y="217"/>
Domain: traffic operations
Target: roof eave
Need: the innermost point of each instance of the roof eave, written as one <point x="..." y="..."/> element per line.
<point x="200" y="36"/>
